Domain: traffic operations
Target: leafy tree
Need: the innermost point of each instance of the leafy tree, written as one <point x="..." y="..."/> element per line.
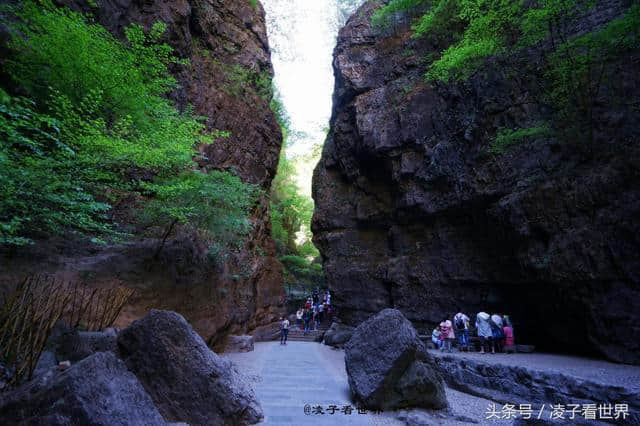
<point x="40" y="190"/>
<point x="94" y="127"/>
<point x="214" y="204"/>
<point x="290" y="209"/>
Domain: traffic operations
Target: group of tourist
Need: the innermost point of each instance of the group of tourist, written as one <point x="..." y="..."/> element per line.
<point x="495" y="332"/>
<point x="316" y="309"/>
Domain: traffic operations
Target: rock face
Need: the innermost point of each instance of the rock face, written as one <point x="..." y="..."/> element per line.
<point x="71" y="397"/>
<point x="413" y="212"/>
<point x="245" y="291"/>
<point x="389" y="367"/>
<point x="338" y="335"/>
<point x="519" y="385"/>
<point x="187" y="381"/>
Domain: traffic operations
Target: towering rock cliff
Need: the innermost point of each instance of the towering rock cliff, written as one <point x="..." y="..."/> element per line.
<point x="245" y="291"/>
<point x="413" y="212"/>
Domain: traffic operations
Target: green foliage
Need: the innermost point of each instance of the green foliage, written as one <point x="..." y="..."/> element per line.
<point x="440" y="22"/>
<point x="508" y="137"/>
<point x="580" y="70"/>
<point x="215" y="204"/>
<point x="301" y="269"/>
<point x="382" y="17"/>
<point x="240" y="80"/>
<point x="254" y="3"/>
<point x="95" y="128"/>
<point x="577" y="65"/>
<point x="290" y="209"/>
<point x="40" y="190"/>
<point x="291" y="212"/>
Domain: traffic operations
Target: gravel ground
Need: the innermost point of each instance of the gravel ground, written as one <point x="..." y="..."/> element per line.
<point x="583" y="368"/>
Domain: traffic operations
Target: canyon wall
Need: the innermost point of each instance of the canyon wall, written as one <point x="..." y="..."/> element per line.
<point x="244" y="291"/>
<point x="414" y="212"/>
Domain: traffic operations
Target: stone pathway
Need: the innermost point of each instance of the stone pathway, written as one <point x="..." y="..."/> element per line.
<point x="286" y="378"/>
<point x="296" y="375"/>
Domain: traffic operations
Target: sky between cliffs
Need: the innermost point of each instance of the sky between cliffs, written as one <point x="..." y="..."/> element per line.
<point x="302" y="35"/>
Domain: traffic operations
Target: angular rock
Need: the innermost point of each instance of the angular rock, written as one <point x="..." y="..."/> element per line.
<point x="389" y="367"/>
<point x="98" y="390"/>
<point x="239" y="344"/>
<point x="509" y="384"/>
<point x="338" y="335"/>
<point x="188" y="382"/>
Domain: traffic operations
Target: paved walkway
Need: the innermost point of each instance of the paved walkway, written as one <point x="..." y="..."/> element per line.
<point x="286" y="378"/>
<point x="289" y="377"/>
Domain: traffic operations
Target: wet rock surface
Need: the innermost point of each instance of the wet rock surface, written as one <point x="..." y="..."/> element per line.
<point x="99" y="390"/>
<point x="413" y="212"/>
<point x="187" y="381"/>
<point x="389" y="367"/>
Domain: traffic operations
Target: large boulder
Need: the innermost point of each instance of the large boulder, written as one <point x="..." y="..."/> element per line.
<point x="389" y="367"/>
<point x="98" y="390"/>
<point x="338" y="335"/>
<point x="187" y="381"/>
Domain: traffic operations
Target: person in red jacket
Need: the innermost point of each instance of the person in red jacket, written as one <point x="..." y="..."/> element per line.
<point x="507" y="328"/>
<point x="446" y="335"/>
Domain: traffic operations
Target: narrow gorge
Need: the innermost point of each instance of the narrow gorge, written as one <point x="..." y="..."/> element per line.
<point x="291" y="212"/>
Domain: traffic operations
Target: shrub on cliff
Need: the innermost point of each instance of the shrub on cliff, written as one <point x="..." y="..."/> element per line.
<point x="92" y="128"/>
<point x="574" y="76"/>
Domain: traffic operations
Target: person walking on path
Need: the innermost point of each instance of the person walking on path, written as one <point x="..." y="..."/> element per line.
<point x="284" y="330"/>
<point x="461" y="324"/>
<point x="446" y="328"/>
<point x="314" y="324"/>
<point x="320" y="312"/>
<point x="299" y="315"/>
<point x="307" y="320"/>
<point x="484" y="331"/>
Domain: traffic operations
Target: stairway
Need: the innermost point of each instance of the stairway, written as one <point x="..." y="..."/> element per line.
<point x="295" y="334"/>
